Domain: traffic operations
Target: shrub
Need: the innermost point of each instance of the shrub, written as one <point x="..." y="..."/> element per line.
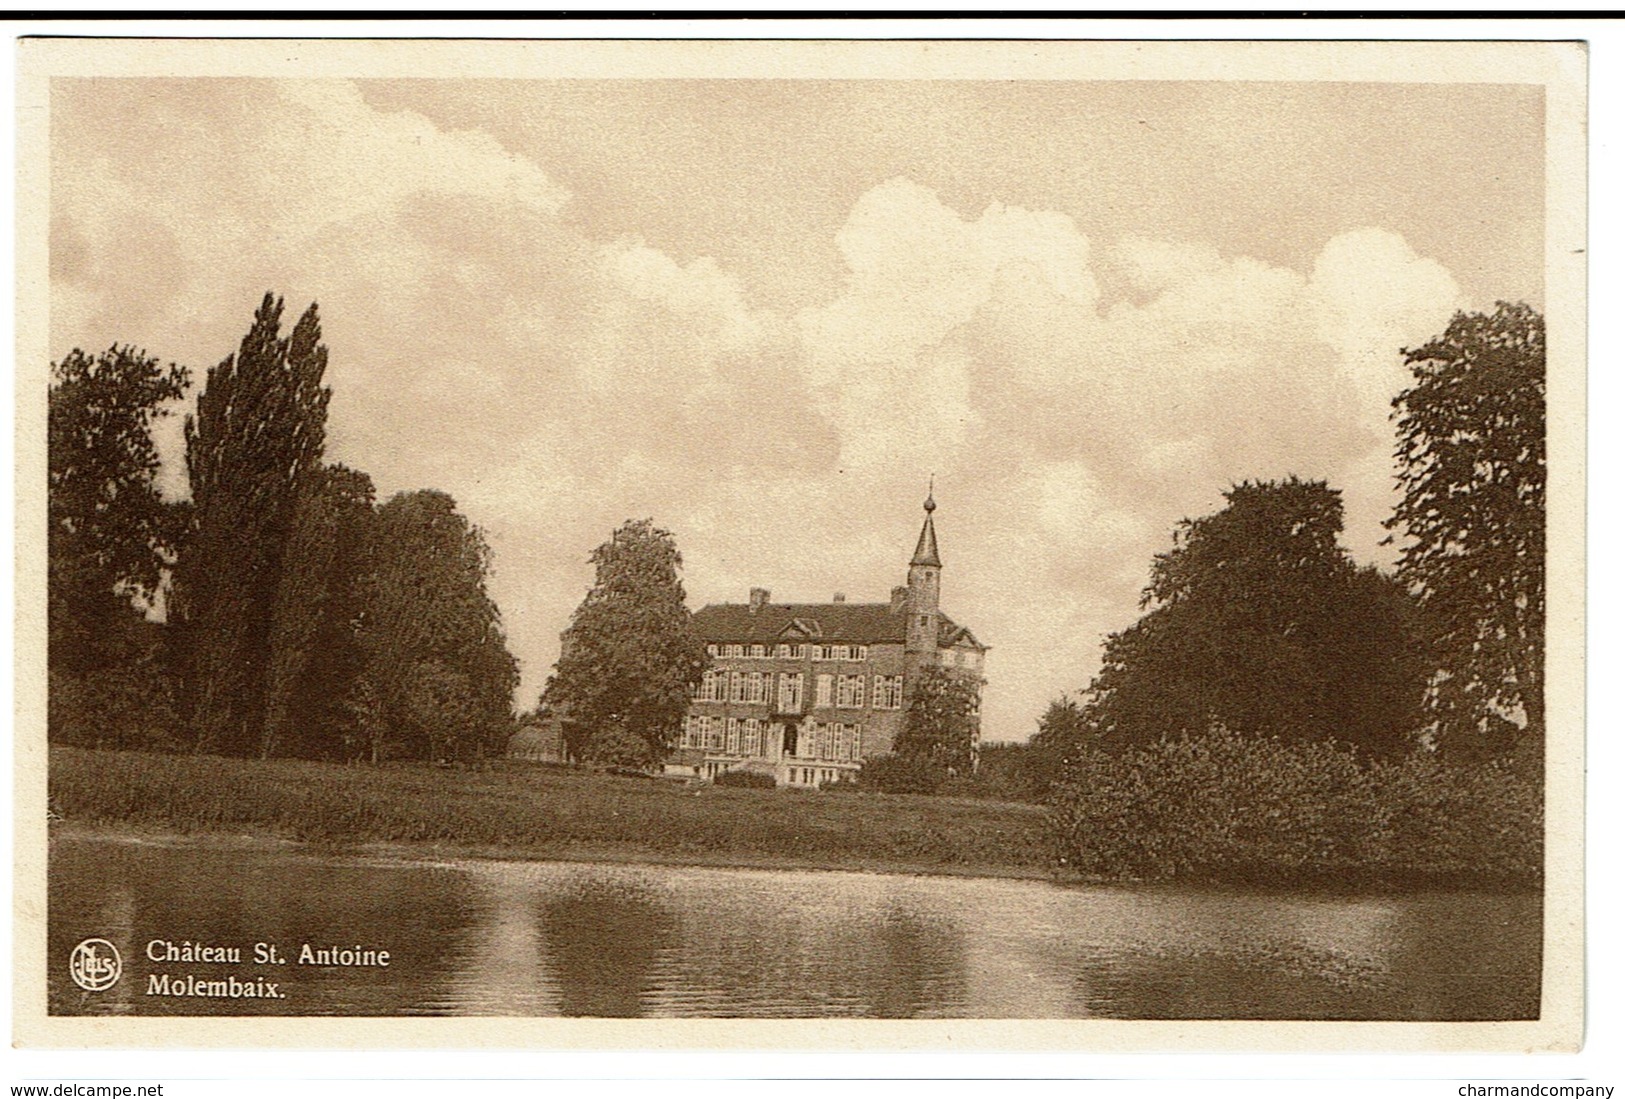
<point x="1227" y="807"/>
<point x="894" y="774"/>
<point x="749" y="780"/>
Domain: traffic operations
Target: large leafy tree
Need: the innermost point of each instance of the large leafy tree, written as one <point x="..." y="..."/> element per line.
<point x="940" y="725"/>
<point x="315" y="655"/>
<point x="631" y="656"/>
<point x="111" y="535"/>
<point x="1258" y="622"/>
<point x="438" y="680"/>
<point x="253" y="445"/>
<point x="1472" y="523"/>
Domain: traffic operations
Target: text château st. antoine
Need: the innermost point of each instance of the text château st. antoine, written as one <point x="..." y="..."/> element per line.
<point x="164" y="950"/>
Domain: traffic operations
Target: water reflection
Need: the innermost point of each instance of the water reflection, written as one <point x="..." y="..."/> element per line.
<point x="548" y="939"/>
<point x="603" y="939"/>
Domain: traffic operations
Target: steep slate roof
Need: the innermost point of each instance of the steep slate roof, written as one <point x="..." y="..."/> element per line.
<point x="849" y="623"/>
<point x="859" y="623"/>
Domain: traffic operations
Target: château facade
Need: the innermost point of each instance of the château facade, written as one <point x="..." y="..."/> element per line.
<point x="805" y="692"/>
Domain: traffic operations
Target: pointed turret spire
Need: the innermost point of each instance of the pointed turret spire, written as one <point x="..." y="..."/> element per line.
<point x="925" y="553"/>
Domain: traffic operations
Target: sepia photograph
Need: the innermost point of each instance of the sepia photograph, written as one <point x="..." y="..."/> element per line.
<point x="1051" y="533"/>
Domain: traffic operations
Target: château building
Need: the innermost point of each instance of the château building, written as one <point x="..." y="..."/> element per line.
<point x="805" y="692"/>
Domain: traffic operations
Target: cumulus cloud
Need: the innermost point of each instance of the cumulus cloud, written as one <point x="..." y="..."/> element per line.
<point x="1082" y="428"/>
<point x="1074" y="398"/>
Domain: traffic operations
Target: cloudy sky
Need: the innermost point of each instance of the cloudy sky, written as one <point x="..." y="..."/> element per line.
<point x="765" y="312"/>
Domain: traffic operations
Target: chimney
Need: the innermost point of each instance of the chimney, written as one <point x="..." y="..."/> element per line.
<point x="758" y="599"/>
<point x="899" y="599"/>
<point x="840" y="597"/>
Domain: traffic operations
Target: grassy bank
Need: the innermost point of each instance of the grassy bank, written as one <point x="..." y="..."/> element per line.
<point x="523" y="811"/>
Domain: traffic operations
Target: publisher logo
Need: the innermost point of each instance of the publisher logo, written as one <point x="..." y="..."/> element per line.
<point x="95" y="965"/>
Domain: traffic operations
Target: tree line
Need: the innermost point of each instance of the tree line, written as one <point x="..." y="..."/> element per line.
<point x="1258" y="624"/>
<point x="279" y="609"/>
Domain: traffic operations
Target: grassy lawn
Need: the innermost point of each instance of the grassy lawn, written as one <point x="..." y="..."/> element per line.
<point x="527" y="811"/>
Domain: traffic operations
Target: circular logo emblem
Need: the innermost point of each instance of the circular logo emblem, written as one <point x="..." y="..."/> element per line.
<point x="95" y="965"/>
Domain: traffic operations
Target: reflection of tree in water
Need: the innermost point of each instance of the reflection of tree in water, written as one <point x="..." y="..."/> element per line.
<point x="918" y="970"/>
<point x="603" y="939"/>
<point x="1445" y="956"/>
<point x="1472" y="957"/>
<point x="1195" y="986"/>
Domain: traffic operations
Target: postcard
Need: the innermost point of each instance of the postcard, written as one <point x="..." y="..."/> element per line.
<point x="1022" y="545"/>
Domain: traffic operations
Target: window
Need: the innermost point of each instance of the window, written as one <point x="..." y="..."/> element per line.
<point x="736" y="686"/>
<point x="756" y="687"/>
<point x="758" y="651"/>
<point x="732" y="745"/>
<point x="711" y="650"/>
<point x="797" y="652"/>
<point x="686" y="740"/>
<point x="842" y="741"/>
<point x="826" y="684"/>
<point x="701" y="736"/>
<point x="849" y="692"/>
<point x="888" y="692"/>
<point x="857" y="742"/>
<point x="790" y="693"/>
<point x="750" y="741"/>
<point x="860" y="652"/>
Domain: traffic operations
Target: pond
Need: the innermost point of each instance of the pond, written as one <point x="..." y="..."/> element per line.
<point x="209" y="929"/>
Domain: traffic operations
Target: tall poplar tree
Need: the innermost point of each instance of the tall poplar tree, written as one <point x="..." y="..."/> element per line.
<point x="251" y="449"/>
<point x="315" y="651"/>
